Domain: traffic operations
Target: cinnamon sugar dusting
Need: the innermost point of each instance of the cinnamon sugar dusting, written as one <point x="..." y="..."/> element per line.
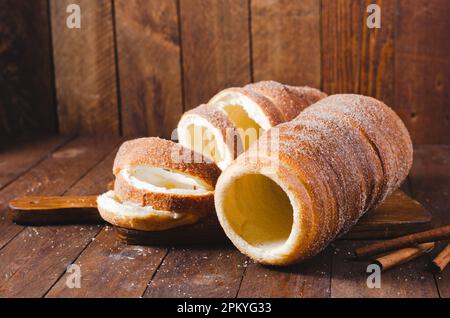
<point x="349" y="151"/>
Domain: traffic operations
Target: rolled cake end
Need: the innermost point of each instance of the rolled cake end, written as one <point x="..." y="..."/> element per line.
<point x="258" y="214"/>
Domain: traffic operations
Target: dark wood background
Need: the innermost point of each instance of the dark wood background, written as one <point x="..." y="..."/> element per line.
<point x="136" y="65"/>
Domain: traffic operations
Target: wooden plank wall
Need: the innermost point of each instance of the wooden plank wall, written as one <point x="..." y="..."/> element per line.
<point x="27" y="101"/>
<point x="136" y="65"/>
<point x="85" y="72"/>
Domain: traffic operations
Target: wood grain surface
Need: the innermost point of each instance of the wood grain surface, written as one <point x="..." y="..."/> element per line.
<point x="136" y="65"/>
<point x="37" y="256"/>
<point x="355" y="58"/>
<point x="109" y="267"/>
<point x="398" y="215"/>
<point x="134" y="71"/>
<point x="50" y="210"/>
<point x="286" y="41"/>
<point x="216" y="47"/>
<point x="341" y="30"/>
<point x="85" y="69"/>
<point x="148" y="46"/>
<point x="349" y="278"/>
<point x="112" y="269"/>
<point x="26" y="73"/>
<point x="199" y="272"/>
<point x="310" y="279"/>
<point x="34" y="260"/>
<point x="430" y="184"/>
<point x="53" y="176"/>
<point x="17" y="157"/>
<point x="422" y="69"/>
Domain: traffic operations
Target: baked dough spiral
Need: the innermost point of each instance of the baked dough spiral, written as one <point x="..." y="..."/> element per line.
<point x="235" y="118"/>
<point x="158" y="185"/>
<point x="339" y="158"/>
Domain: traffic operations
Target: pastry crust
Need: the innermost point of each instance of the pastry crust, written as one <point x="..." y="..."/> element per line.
<point x="157" y="152"/>
<point x="159" y="185"/>
<point x="260" y="106"/>
<point x="199" y="204"/>
<point x="305" y="224"/>
<point x="339" y="158"/>
<point x="216" y="118"/>
<point x="383" y="129"/>
<point x="289" y="100"/>
<point x="272" y="114"/>
<point x="157" y="221"/>
<point x="278" y="102"/>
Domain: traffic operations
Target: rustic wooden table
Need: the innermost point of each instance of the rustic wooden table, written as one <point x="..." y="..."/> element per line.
<point x="33" y="260"/>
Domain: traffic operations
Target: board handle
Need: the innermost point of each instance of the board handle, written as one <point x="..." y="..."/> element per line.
<point x="42" y="210"/>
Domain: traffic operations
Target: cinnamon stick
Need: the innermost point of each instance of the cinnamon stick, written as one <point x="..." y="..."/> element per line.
<point x="437" y="234"/>
<point x="441" y="261"/>
<point x="403" y="255"/>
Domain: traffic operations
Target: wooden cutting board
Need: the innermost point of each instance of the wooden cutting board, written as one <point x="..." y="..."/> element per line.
<point x="398" y="215"/>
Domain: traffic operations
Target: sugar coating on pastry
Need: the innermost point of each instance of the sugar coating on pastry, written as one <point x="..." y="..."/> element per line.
<point x="204" y="130"/>
<point x="158" y="185"/>
<point x="254" y="107"/>
<point x="157" y="152"/>
<point x="236" y="117"/>
<point x="289" y="100"/>
<point x="339" y="158"/>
